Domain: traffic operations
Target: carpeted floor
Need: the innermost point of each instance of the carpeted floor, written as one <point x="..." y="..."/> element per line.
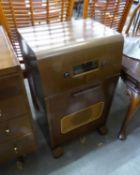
<point x="99" y="155"/>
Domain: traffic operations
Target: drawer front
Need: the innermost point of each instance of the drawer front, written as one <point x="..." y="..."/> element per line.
<point x="10" y="86"/>
<point x="16" y="128"/>
<point x="12" y="107"/>
<point x="75" y="100"/>
<point x="17" y="148"/>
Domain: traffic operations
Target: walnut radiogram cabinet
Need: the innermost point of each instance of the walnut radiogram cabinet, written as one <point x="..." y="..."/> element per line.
<point x="16" y="130"/>
<point x="73" y="68"/>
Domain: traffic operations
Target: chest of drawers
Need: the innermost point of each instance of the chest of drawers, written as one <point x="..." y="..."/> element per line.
<point x="16" y="126"/>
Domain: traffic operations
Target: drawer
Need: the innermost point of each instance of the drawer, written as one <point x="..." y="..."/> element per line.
<point x="12" y="107"/>
<point x="76" y="99"/>
<point x="16" y="128"/>
<point x="11" y="150"/>
<point x="10" y="86"/>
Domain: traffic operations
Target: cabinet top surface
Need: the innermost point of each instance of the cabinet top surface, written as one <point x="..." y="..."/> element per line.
<point x="7" y="56"/>
<point x="49" y="39"/>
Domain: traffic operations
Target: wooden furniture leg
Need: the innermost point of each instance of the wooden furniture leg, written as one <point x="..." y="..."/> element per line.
<point x="133" y="106"/>
<point x="20" y="163"/>
<point x="57" y="152"/>
<point x="102" y="130"/>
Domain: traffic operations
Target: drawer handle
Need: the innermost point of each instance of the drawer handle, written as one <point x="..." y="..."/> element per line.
<point x="0" y="113"/>
<point x="16" y="149"/>
<point x="7" y="131"/>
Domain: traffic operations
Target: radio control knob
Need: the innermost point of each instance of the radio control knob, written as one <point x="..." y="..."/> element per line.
<point x="67" y="74"/>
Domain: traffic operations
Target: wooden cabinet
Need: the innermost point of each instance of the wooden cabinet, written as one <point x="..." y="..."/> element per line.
<point x="16" y="127"/>
<point x="73" y="69"/>
<point x="17" y="148"/>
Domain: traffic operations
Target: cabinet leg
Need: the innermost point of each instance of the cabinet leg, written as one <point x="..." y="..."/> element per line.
<point x="102" y="130"/>
<point x="20" y="163"/>
<point x="83" y="140"/>
<point x="57" y="152"/>
<point x="133" y="106"/>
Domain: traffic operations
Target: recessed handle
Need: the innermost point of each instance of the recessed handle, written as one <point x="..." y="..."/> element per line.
<point x="85" y="91"/>
<point x="85" y="73"/>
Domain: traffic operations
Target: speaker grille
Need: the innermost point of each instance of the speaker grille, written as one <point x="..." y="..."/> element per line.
<point x="81" y="118"/>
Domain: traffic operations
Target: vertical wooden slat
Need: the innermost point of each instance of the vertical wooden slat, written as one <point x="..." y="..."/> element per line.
<point x="70" y="9"/>
<point x="125" y="14"/>
<point x="31" y="12"/>
<point x="85" y="9"/>
<point x="12" y="12"/>
<point x="47" y="11"/>
<point x="0" y="13"/>
<point x="2" y="20"/>
<point x="93" y="8"/>
<point x="62" y="9"/>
